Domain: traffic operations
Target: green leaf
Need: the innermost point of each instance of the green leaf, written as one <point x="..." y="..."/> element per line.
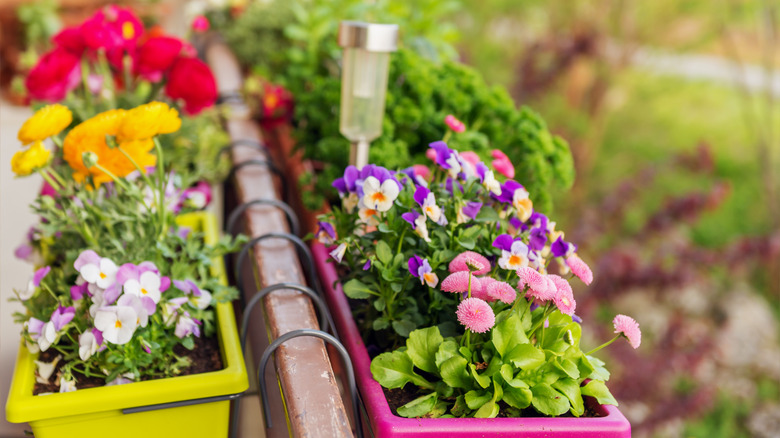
<point x="488" y="410"/>
<point x="383" y="252"/>
<point x="447" y="349"/>
<point x="460" y="408"/>
<point x="475" y="399"/>
<point x="422" y="346"/>
<point x="357" y="290"/>
<point x="568" y="367"/>
<point x="453" y="372"/>
<point x="571" y="389"/>
<point x="395" y="369"/>
<point x="438" y="410"/>
<point x="404" y="327"/>
<point x="600" y="372"/>
<point x="487" y="215"/>
<point x="483" y="381"/>
<point x="599" y="390"/>
<point x="507" y="334"/>
<point x="419" y="406"/>
<point x="465" y="352"/>
<point x="549" y="401"/>
<point x="526" y="356"/>
<point x="519" y="398"/>
<point x="380" y="323"/>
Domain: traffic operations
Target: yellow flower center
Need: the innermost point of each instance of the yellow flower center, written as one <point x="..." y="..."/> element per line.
<point x="515" y="259"/>
<point x="378" y="197"/>
<point x="428" y="276"/>
<point x="144" y="291"/>
<point x="102" y="276"/>
<point x="128" y="31"/>
<point x="118" y="324"/>
<point x="271" y="101"/>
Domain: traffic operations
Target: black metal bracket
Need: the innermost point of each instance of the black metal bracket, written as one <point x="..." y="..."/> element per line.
<point x="344" y="358"/>
<point x="178" y="404"/>
<point x="235" y="215"/>
<point x="257" y="162"/>
<point x="308" y="266"/>
<point x="232" y="96"/>
<point x="325" y="317"/>
<point x="246" y="142"/>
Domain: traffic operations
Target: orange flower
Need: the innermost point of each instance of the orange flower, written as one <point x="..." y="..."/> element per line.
<point x="90" y="136"/>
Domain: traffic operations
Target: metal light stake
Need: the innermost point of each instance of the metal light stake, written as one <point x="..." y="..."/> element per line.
<point x="364" y="71"/>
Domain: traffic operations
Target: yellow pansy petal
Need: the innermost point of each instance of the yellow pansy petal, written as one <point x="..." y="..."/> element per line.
<point x="47" y="121"/>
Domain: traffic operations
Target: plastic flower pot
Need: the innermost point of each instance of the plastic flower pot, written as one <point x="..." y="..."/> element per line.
<point x="98" y="412"/>
<point x="609" y="424"/>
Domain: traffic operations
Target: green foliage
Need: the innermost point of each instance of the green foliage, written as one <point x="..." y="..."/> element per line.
<point x="538" y="382"/>
<point x="424" y="87"/>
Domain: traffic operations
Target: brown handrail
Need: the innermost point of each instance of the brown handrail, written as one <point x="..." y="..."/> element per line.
<point x="311" y="394"/>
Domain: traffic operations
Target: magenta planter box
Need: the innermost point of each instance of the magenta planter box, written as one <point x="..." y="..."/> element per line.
<point x="612" y="423"/>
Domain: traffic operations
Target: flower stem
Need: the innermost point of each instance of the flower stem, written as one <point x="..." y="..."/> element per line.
<point x="49" y="180"/>
<point x="447" y="136"/>
<point x="603" y="345"/>
<point x="85" y="82"/>
<point x="161" y="178"/>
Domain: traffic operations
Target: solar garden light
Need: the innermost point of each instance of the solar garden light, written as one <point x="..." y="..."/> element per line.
<point x="364" y="71"/>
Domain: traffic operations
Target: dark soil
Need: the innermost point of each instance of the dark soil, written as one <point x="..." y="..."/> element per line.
<point x="399" y="397"/>
<point x="205" y="357"/>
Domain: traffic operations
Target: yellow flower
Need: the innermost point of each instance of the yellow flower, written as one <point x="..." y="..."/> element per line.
<point x="148" y="120"/>
<point x="28" y="161"/>
<point x="47" y="121"/>
<point x="90" y="136"/>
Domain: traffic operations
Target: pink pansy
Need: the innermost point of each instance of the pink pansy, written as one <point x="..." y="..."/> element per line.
<point x="171" y="308"/>
<point x="78" y="291"/>
<point x="339" y="252"/>
<point x="143" y="307"/>
<point x="579" y="268"/>
<point x="34" y="328"/>
<point x="502" y="164"/>
<point x="540" y="287"/>
<point x="117" y="323"/>
<point x="62" y="316"/>
<point x="186" y="326"/>
<point x="147" y="285"/>
<point x="47" y="336"/>
<point x="89" y="342"/>
<point x="454" y="124"/>
<point x="476" y="315"/>
<point x="564" y="297"/>
<point x="628" y="327"/>
<point x="501" y="291"/>
<point x="475" y="259"/>
<point x="100" y="272"/>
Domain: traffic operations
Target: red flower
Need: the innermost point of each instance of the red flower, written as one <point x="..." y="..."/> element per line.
<point x="71" y="40"/>
<point x="56" y="73"/>
<point x="156" y="56"/>
<point x="191" y="80"/>
<point x="277" y="105"/>
<point x="112" y="28"/>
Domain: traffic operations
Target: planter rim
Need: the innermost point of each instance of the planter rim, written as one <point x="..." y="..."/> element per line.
<point x="22" y="406"/>
<point x="612" y="424"/>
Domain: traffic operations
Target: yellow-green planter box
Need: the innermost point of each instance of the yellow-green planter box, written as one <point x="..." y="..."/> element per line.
<point x="98" y="412"/>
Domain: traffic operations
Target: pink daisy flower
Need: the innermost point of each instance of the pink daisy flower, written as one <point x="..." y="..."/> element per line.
<point x="485" y="282"/>
<point x="579" y="268"/>
<point x="458" y="282"/>
<point x="628" y="327"/>
<point x="501" y="291"/>
<point x="476" y="315"/>
<point x="479" y="264"/>
<point x="540" y="287"/>
<point x="454" y="124"/>
<point x="502" y="164"/>
<point x="564" y="297"/>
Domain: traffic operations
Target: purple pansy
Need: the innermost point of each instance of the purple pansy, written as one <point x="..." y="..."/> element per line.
<point x="508" y="191"/>
<point x="34" y="327"/>
<point x="62" y="316"/>
<point x="411" y="217"/>
<point x="562" y="248"/>
<point x="347" y="183"/>
<point x="421" y="269"/>
<point x="367" y="265"/>
<point x="325" y="233"/>
<point x="471" y="209"/>
<point x="78" y="291"/>
<point x="537" y="239"/>
<point x="427" y="202"/>
<point x="187" y="286"/>
<point x="40" y="274"/>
